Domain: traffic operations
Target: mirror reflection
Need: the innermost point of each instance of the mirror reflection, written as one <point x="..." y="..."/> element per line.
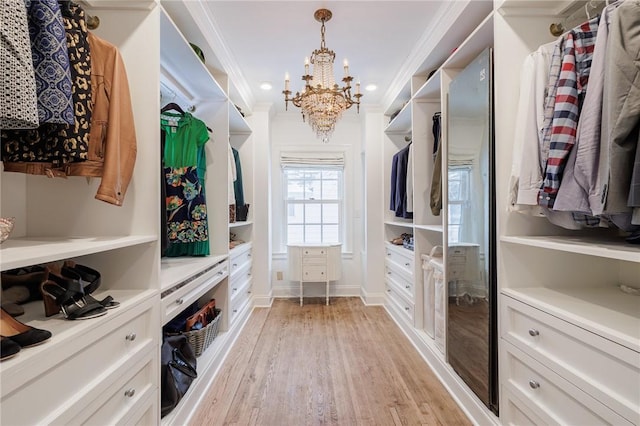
<point x="471" y="287"/>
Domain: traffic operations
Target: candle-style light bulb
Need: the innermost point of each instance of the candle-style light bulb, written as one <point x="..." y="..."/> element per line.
<point x="306" y="66"/>
<point x="346" y="68"/>
<point x="286" y="81"/>
<point x="358" y="87"/>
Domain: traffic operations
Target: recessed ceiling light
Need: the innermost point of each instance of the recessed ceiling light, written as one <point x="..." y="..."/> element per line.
<point x="370" y="87"/>
<point x="265" y="85"/>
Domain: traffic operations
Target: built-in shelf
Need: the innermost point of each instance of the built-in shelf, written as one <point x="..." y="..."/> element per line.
<point x="398" y="223"/>
<point x="605" y="311"/>
<point x="240" y="223"/>
<point x="538" y="7"/>
<point x="401" y="123"/>
<point x="611" y="248"/>
<point x="237" y="124"/>
<point x="478" y="40"/>
<point x="174" y="270"/>
<point x="177" y="58"/>
<point x="434" y="228"/>
<point x="121" y="4"/>
<point x="431" y="88"/>
<point x="25" y="251"/>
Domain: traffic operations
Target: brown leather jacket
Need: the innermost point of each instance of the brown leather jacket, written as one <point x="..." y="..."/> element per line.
<point x="112" y="144"/>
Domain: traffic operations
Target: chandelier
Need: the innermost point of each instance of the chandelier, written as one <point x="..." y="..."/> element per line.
<point x="322" y="101"/>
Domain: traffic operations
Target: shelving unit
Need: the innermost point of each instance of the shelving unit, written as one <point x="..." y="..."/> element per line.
<point x="568" y="324"/>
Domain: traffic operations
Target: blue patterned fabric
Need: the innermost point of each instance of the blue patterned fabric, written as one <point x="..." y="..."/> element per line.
<point x="50" y="62"/>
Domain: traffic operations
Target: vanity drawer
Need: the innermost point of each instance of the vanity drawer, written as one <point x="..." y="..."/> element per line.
<point x="403" y="260"/>
<point x="314" y="272"/>
<point x="56" y="391"/>
<point x="190" y="290"/>
<point x="314" y="251"/>
<point x="604" y="369"/>
<point x="550" y="397"/>
<point x="514" y="412"/>
<point x="240" y="286"/>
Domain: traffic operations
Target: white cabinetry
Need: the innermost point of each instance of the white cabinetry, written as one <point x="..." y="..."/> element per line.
<point x="315" y="263"/>
<point x="240" y="280"/>
<point x="570" y="338"/>
<point x="102" y="370"/>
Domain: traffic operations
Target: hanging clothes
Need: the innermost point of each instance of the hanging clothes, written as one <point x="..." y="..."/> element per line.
<point x="398" y="196"/>
<point x="184" y="165"/>
<point x="50" y="62"/>
<point x="45" y="150"/>
<point x="435" y="199"/>
<point x="409" y="189"/>
<point x="238" y="188"/>
<point x="18" y="97"/>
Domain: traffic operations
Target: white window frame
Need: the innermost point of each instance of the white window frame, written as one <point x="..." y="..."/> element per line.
<point x="462" y="201"/>
<point x="305" y="202"/>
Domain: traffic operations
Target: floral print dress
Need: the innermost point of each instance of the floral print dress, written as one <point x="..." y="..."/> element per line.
<point x="184" y="164"/>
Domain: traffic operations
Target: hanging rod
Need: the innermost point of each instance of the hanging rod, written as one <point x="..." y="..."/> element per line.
<point x="558" y="28"/>
<point x="93" y="22"/>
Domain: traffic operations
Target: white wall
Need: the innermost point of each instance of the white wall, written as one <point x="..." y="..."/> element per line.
<point x="289" y="131"/>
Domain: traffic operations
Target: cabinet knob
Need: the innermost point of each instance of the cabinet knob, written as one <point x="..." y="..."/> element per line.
<point x="249" y="255"/>
<point x="248" y="274"/>
<point x="407" y="264"/>
<point x="406" y="308"/>
<point x="235" y="289"/>
<point x="179" y="301"/>
<point x="533" y="384"/>
<point x="235" y="265"/>
<point x="533" y="332"/>
<point x="129" y="392"/>
<point x="220" y="272"/>
<point x="388" y="272"/>
<point x="388" y="290"/>
<point x="248" y="291"/>
<point x="235" y="311"/>
<point x="388" y="253"/>
<point x="131" y="337"/>
<point x="321" y="273"/>
<point x="407" y="287"/>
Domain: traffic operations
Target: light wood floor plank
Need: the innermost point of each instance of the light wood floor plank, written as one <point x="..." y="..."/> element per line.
<point x="342" y="364"/>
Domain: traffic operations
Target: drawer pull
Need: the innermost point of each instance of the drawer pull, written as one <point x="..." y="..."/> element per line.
<point x="235" y="311"/>
<point x="406" y="308"/>
<point x="407" y="264"/>
<point x="248" y="291"/>
<point x="235" y="265"/>
<point x="129" y="392"/>
<point x="249" y="255"/>
<point x="179" y="301"/>
<point x="388" y="253"/>
<point x="388" y="290"/>
<point x="220" y="272"/>
<point x="533" y="332"/>
<point x="235" y="289"/>
<point x="533" y="384"/>
<point x="249" y="274"/>
<point x="407" y="287"/>
<point x="131" y="337"/>
<point x="388" y="272"/>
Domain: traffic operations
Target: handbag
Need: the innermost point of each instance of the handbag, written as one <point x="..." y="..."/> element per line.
<point x="202" y="317"/>
<point x="178" y="370"/>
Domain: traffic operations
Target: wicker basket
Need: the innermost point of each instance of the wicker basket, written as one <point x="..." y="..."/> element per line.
<point x="201" y="339"/>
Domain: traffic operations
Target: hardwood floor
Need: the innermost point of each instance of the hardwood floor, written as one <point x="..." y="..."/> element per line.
<point x="342" y="364"/>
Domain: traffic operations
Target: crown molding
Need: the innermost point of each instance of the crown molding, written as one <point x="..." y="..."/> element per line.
<point x="442" y="20"/>
<point x="205" y="20"/>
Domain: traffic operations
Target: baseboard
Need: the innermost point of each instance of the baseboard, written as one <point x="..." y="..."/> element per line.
<point x="263" y="301"/>
<point x="468" y="402"/>
<point x="372" y="299"/>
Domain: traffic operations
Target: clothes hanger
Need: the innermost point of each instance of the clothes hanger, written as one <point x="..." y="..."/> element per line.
<point x="172" y="106"/>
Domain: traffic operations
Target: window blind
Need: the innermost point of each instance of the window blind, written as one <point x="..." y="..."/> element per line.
<point x="312" y="159"/>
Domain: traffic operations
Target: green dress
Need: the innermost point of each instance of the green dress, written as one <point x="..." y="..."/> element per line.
<point x="184" y="164"/>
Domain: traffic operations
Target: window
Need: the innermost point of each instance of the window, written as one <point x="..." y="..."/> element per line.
<point x="313" y="204"/>
<point x="459" y="181"/>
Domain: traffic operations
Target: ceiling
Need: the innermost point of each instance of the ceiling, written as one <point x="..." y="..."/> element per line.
<point x="265" y="39"/>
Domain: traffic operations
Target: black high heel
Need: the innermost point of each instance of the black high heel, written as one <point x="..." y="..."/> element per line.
<point x="20" y="333"/>
<point x="90" y="281"/>
<point x="68" y="300"/>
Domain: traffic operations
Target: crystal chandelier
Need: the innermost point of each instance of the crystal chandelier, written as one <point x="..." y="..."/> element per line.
<point x="322" y="101"/>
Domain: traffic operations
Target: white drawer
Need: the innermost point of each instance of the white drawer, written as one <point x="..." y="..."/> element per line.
<point x="238" y="305"/>
<point x="606" y="370"/>
<point x="314" y="273"/>
<point x="239" y="261"/>
<point x="177" y="298"/>
<point x="552" y="398"/>
<point x="401" y="304"/>
<point x="404" y="260"/>
<point x="240" y="287"/>
<point x="514" y="412"/>
<point x="403" y="283"/>
<point x="117" y="403"/>
<point x="314" y="251"/>
<point x="57" y="390"/>
<point x="314" y="260"/>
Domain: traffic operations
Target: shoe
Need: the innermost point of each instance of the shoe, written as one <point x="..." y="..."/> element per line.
<point x="8" y="348"/>
<point x="90" y="280"/>
<point x="22" y="285"/>
<point x="20" y="333"/>
<point x="61" y="294"/>
<point x="12" y="309"/>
